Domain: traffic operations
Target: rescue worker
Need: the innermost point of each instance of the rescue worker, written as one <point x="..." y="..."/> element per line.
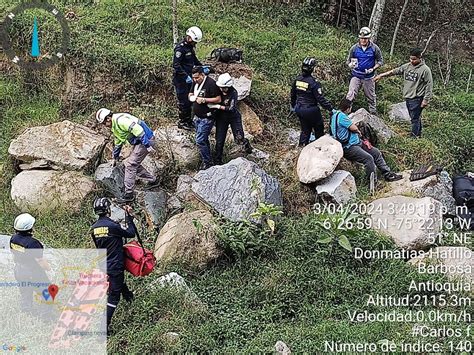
<point x="204" y="91"/>
<point x="126" y="127"/>
<point x="357" y="150"/>
<point x="184" y="60"/>
<point x="228" y="115"/>
<point x="417" y="87"/>
<point x="109" y="235"/>
<point x="364" y="58"/>
<point x="30" y="265"/>
<point x="306" y="94"/>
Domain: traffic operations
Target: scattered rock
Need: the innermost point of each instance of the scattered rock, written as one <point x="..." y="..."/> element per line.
<point x="235" y="189"/>
<point x="458" y="262"/>
<point x="259" y="155"/>
<point x="173" y="204"/>
<point x="111" y="178"/>
<point x="153" y="165"/>
<point x="175" y="143"/>
<point x="188" y="237"/>
<point x="39" y="164"/>
<point x="293" y="137"/>
<point x="408" y="221"/>
<point x="399" y="112"/>
<point x="442" y="191"/>
<point x="384" y="133"/>
<point x="281" y="348"/>
<point x="172" y="279"/>
<point x="154" y="207"/>
<point x="251" y="122"/>
<point x="339" y="187"/>
<point x="407" y="187"/>
<point x="65" y="144"/>
<point x="184" y="187"/>
<point x="48" y="189"/>
<point x="171" y="337"/>
<point x="243" y="85"/>
<point x="318" y="159"/>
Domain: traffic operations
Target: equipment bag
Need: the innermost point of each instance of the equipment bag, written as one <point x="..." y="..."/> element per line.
<point x="138" y="260"/>
<point x="227" y="55"/>
<point x="463" y="193"/>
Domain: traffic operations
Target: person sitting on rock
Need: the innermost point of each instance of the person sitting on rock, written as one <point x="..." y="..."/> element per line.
<point x="357" y="150"/>
<point x="108" y="234"/>
<point x="126" y="127"/>
<point x="204" y="91"/>
<point x="227" y="115"/>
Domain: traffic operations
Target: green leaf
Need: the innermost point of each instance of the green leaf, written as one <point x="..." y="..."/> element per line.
<point x="271" y="224"/>
<point x="325" y="240"/>
<point x="344" y="242"/>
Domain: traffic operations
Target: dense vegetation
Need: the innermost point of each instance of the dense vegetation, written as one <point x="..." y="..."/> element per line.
<point x="283" y="286"/>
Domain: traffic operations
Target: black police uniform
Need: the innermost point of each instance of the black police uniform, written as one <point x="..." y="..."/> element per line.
<point x="230" y="116"/>
<point x="109" y="235"/>
<point x="306" y="93"/>
<point x="26" y="250"/>
<point x="184" y="59"/>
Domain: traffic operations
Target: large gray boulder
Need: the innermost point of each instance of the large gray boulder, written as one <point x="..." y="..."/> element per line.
<point x="443" y="192"/>
<point x="458" y="262"/>
<point x="154" y="204"/>
<point x="39" y="190"/>
<point x="319" y="159"/>
<point x="399" y="112"/>
<point x="409" y="221"/>
<point x="339" y="188"/>
<point x="406" y="187"/>
<point x="243" y="85"/>
<point x="235" y="189"/>
<point x="63" y="144"/>
<point x="111" y="178"/>
<point x="384" y="133"/>
<point x="189" y="238"/>
<point x="176" y="144"/>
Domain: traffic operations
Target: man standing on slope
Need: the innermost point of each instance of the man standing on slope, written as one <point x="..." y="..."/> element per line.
<point x="364" y="58"/>
<point x="417" y="87"/>
<point x="126" y="127"/>
<point x="184" y="60"/>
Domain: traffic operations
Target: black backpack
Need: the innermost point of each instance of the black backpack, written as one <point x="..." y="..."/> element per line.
<point x="227" y="55"/>
<point x="368" y="132"/>
<point x="463" y="193"/>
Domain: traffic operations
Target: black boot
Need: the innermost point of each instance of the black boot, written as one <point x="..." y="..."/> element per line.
<point x="247" y="147"/>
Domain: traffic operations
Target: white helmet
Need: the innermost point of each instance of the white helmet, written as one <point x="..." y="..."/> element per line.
<point x="365" y="32"/>
<point x="225" y="81"/>
<point x="101" y="114"/>
<point x="195" y="33"/>
<point x="24" y="222"/>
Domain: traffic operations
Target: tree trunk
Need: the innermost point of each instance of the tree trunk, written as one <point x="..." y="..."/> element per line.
<point x="175" y="21"/>
<point x="376" y="18"/>
<point x="394" y="38"/>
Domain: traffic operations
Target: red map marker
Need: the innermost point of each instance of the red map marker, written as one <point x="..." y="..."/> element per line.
<point x="53" y="290"/>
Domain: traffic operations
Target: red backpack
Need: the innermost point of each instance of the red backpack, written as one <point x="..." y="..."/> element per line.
<point x="138" y="260"/>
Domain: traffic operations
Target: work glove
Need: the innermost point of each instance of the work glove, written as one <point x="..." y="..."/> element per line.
<point x="192" y="98"/>
<point x="150" y="149"/>
<point x="189" y="80"/>
<point x="205" y="69"/>
<point x="214" y="106"/>
<point x="369" y="71"/>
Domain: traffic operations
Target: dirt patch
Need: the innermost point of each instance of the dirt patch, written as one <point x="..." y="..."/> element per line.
<point x="234" y="69"/>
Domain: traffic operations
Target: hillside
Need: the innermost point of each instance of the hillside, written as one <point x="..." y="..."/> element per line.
<point x="286" y="285"/>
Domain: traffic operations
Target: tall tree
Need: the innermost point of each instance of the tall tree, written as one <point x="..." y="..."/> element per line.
<point x="175" y="21"/>
<point x="394" y="38"/>
<point x="376" y="18"/>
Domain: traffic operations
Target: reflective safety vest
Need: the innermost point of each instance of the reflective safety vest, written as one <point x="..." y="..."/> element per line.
<point x="127" y="127"/>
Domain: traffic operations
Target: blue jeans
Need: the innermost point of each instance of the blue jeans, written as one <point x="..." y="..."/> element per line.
<point x="203" y="129"/>
<point x="414" y="109"/>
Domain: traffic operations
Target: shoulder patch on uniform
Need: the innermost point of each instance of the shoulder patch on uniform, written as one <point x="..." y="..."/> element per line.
<point x="301" y="85"/>
<point x="178" y="54"/>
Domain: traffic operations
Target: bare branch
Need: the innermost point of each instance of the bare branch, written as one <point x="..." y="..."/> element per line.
<point x="175" y="21"/>
<point x="469" y="81"/>
<point x="394" y="38"/>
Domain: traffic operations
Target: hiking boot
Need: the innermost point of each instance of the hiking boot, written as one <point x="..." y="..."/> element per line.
<point x="391" y="176"/>
<point x="186" y="125"/>
<point x="205" y="166"/>
<point x="127" y="197"/>
<point x="247" y="147"/>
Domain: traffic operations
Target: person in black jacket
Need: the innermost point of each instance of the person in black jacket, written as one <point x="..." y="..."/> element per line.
<point x="29" y="262"/>
<point x="228" y="115"/>
<point x="306" y="94"/>
<point x="184" y="60"/>
<point x="109" y="235"/>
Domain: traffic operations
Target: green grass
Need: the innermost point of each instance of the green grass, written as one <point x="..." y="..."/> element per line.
<point x="283" y="287"/>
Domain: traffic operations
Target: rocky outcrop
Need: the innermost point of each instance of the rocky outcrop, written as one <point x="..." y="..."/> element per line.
<point x="318" y="159"/>
<point x="408" y="221"/>
<point x="339" y="188"/>
<point x="399" y="112"/>
<point x="250" y="121"/>
<point x="188" y="238"/>
<point x="63" y="144"/>
<point x="40" y="190"/>
<point x="111" y="178"/>
<point x="235" y="189"/>
<point x="384" y="133"/>
<point x="173" y="143"/>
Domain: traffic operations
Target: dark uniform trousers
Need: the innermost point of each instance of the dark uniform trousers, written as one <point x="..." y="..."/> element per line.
<point x="223" y="122"/>
<point x="310" y="119"/>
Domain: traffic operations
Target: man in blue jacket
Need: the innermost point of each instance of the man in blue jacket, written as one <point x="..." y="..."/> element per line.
<point x="184" y="60"/>
<point x="364" y="58"/>
<point x="109" y="235"/>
